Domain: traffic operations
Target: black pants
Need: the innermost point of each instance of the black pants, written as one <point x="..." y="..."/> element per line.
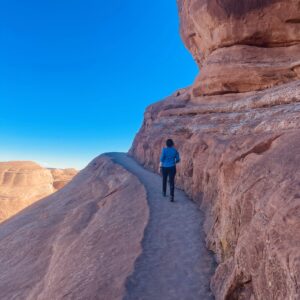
<point x="169" y="172"/>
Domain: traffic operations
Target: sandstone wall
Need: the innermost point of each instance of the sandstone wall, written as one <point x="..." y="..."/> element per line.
<point x="238" y="131"/>
<point x="256" y="42"/>
<point x="84" y="239"/>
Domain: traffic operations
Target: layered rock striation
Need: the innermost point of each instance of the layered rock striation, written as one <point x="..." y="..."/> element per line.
<point x="84" y="239"/>
<point x="256" y="42"/>
<point x="24" y="182"/>
<point x="238" y="130"/>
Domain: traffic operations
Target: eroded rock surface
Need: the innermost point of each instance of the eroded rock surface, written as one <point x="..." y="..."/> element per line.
<point x="243" y="155"/>
<point x="242" y="45"/>
<point x="24" y="182"/>
<point x="238" y="131"/>
<point x="79" y="243"/>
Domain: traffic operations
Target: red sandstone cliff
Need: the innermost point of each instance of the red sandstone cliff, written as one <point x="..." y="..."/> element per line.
<point x="24" y="182"/>
<point x="238" y="131"/>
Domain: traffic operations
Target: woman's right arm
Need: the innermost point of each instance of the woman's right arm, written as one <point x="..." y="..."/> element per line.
<point x="162" y="156"/>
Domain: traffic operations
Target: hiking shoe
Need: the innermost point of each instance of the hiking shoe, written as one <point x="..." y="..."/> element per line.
<point x="172" y="198"/>
<point x="164" y="194"/>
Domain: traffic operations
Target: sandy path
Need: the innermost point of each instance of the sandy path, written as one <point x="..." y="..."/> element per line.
<point x="175" y="263"/>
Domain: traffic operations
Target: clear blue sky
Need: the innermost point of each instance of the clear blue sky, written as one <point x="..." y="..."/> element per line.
<point x="76" y="75"/>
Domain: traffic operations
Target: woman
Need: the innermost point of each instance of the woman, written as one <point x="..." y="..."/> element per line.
<point x="168" y="160"/>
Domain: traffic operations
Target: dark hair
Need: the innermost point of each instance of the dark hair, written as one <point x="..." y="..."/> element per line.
<point x="169" y="143"/>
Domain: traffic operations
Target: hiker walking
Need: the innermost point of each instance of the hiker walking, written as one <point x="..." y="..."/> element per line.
<point x="168" y="160"/>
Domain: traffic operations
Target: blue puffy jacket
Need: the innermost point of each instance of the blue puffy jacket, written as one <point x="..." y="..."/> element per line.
<point x="169" y="157"/>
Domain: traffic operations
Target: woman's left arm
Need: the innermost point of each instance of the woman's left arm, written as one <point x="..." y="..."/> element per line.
<point x="177" y="157"/>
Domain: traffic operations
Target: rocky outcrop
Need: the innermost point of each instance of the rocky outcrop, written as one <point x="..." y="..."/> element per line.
<point x="240" y="161"/>
<point x="238" y="131"/>
<point x="256" y="42"/>
<point x="84" y="239"/>
<point x="24" y="182"/>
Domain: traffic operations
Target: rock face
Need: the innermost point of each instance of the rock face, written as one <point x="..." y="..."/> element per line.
<point x="238" y="131"/>
<point x="255" y="41"/>
<point x="84" y="239"/>
<point x="24" y="182"/>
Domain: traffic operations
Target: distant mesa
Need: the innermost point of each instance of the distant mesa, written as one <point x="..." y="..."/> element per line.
<point x="24" y="182"/>
<point x="62" y="176"/>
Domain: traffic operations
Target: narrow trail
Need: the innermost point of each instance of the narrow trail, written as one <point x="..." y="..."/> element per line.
<point x="174" y="264"/>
